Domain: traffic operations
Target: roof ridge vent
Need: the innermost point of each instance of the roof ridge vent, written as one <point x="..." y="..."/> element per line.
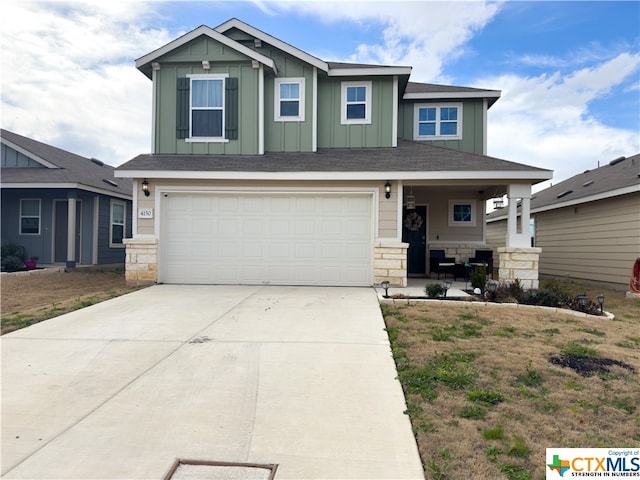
<point x="587" y="183"/>
<point x="617" y="161"/>
<point x="97" y="162"/>
<point x="110" y="182"/>
<point x="564" y="194"/>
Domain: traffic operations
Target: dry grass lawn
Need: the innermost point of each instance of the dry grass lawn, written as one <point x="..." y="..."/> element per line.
<point x="485" y="399"/>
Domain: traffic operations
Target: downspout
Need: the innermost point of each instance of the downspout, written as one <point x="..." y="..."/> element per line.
<point x="394" y="114"/>
<point x="314" y="112"/>
<point x="261" y="109"/>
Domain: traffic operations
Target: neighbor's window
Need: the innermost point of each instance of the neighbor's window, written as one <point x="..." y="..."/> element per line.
<point x="30" y="216"/>
<point x="462" y="213"/>
<point x="207" y="106"/>
<point x="289" y="99"/>
<point x="438" y="122"/>
<point x="118" y="221"/>
<point x="356" y="102"/>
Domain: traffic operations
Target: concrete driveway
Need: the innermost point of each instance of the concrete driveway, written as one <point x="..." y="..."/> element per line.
<point x="297" y="376"/>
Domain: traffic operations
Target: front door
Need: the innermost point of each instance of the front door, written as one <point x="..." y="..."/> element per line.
<point x="414" y="232"/>
<point x="61" y="230"/>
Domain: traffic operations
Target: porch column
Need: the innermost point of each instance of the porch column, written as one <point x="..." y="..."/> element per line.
<point x="71" y="230"/>
<point x="518" y="260"/>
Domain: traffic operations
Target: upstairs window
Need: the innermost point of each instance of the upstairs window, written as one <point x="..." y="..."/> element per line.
<point x="207" y="107"/>
<point x="356" y="102"/>
<point x="289" y="100"/>
<point x="30" y="216"/>
<point x="438" y="122"/>
<point x="118" y="221"/>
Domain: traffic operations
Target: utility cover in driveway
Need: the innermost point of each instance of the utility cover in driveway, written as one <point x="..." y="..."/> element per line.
<point x="267" y="238"/>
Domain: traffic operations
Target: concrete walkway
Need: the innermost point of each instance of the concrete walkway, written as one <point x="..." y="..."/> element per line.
<point x="298" y="376"/>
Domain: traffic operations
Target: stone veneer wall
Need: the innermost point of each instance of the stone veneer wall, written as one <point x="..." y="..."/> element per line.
<point x="461" y="252"/>
<point x="390" y="263"/>
<point x="520" y="264"/>
<point x="141" y="263"/>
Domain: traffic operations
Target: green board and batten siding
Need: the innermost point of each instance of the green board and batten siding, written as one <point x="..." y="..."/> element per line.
<point x="472" y="120"/>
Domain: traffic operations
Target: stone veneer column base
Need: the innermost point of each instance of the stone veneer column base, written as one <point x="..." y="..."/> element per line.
<point x="141" y="264"/>
<point x="390" y="263"/>
<point x="521" y="264"/>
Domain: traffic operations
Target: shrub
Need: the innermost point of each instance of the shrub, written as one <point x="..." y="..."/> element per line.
<point x="510" y="292"/>
<point x="479" y="276"/>
<point x="434" y="290"/>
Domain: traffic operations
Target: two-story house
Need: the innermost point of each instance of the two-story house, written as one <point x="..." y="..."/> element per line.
<point x="272" y="166"/>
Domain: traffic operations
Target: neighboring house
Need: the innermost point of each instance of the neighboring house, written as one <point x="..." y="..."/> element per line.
<point x="587" y="226"/>
<point x="272" y="166"/>
<point x="61" y="207"/>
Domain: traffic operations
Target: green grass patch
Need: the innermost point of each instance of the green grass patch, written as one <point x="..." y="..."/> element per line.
<point x="485" y="397"/>
<point x="592" y="331"/>
<point x="519" y="448"/>
<point x="473" y="412"/>
<point x="575" y="348"/>
<point x="496" y="433"/>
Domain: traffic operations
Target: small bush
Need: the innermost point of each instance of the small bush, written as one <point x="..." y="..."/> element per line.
<point x="479" y="277"/>
<point x="434" y="290"/>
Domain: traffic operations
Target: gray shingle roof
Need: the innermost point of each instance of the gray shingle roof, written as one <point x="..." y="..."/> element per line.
<point x="407" y="157"/>
<point x="586" y="185"/>
<point x="72" y="168"/>
<point x="413" y="87"/>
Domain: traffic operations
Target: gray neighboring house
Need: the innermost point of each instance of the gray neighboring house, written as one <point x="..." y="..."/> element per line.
<point x="63" y="208"/>
<point x="588" y="226"/>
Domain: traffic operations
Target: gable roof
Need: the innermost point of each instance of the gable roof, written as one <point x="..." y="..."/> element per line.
<point x="62" y="169"/>
<point x="408" y="161"/>
<point x="144" y="63"/>
<point x="618" y="177"/>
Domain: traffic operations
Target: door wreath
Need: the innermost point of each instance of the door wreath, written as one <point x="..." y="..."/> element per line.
<point x="413" y="221"/>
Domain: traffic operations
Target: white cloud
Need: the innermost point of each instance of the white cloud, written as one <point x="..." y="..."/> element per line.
<point x="69" y="79"/>
<point x="545" y="121"/>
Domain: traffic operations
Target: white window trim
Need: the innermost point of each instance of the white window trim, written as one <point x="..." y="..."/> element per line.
<point x="124" y="225"/>
<point x="437" y="136"/>
<point x="207" y="76"/>
<point x="276" y="100"/>
<point x="474" y="208"/>
<point x="343" y="104"/>
<point x="31" y="216"/>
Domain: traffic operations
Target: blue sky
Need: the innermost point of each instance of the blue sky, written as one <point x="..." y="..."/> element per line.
<point x="569" y="72"/>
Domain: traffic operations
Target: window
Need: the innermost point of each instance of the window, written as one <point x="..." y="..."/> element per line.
<point x="118" y="222"/>
<point x="289" y="100"/>
<point x="356" y="102"/>
<point x="207" y="107"/>
<point x="30" y="216"/>
<point x="438" y="122"/>
<point x="462" y="213"/>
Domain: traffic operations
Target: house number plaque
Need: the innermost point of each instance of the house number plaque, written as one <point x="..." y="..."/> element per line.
<point x="145" y="213"/>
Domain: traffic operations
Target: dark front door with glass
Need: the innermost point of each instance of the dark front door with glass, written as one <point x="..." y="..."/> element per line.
<point x="414" y="232"/>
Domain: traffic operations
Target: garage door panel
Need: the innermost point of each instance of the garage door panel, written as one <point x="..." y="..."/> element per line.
<point x="297" y="239"/>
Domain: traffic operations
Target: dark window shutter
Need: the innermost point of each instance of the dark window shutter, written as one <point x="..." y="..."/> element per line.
<point x="182" y="108"/>
<point x="231" y="109"/>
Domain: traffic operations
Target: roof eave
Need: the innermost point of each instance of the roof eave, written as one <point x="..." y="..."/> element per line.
<point x="144" y="63"/>
<point x="68" y="185"/>
<point x="491" y="95"/>
<point x="376" y="71"/>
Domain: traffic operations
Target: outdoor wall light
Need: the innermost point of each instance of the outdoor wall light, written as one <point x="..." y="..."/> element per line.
<point x="600" y="298"/>
<point x="387" y="189"/>
<point x="206" y="65"/>
<point x="145" y="188"/>
<point x="385" y="285"/>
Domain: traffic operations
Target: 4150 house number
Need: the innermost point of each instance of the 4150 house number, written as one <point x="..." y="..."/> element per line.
<point x="145" y="213"/>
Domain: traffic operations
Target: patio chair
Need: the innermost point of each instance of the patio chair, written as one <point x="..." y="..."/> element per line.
<point x="481" y="257"/>
<point x="441" y="264"/>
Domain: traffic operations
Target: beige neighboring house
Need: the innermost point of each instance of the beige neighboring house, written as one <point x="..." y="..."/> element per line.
<point x="587" y="226"/>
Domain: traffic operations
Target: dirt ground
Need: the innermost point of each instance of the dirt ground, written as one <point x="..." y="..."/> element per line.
<point x="35" y="297"/>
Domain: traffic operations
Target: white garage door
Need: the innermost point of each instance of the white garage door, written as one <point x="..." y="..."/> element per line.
<point x="265" y="238"/>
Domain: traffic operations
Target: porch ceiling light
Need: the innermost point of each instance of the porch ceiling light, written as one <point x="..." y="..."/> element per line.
<point x="387" y="189"/>
<point x="145" y="188"/>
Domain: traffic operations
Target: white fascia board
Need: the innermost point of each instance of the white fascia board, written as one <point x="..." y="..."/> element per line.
<point x="204" y="30"/>
<point x="27" y="153"/>
<point x="354" y="72"/>
<point x="451" y="95"/>
<point x="577" y="201"/>
<point x="73" y="186"/>
<point x="265" y="37"/>
<point x="526" y="176"/>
